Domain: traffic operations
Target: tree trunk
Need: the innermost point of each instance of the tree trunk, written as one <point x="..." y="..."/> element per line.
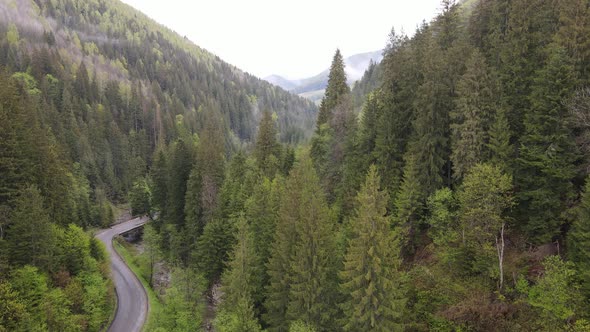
<point x="500" y="250"/>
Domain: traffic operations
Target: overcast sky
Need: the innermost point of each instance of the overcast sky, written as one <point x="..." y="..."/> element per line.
<point x="295" y="38"/>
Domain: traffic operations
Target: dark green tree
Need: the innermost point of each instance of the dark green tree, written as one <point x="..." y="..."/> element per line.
<point x="547" y="152"/>
<point x="29" y="232"/>
<point x="239" y="281"/>
<point x="476" y="105"/>
<point x="370" y="278"/>
<point x="579" y="241"/>
<point x="267" y="149"/>
<point x="337" y="87"/>
<point x="312" y="291"/>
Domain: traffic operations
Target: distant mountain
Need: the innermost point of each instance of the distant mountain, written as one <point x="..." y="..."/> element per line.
<point x="313" y="87"/>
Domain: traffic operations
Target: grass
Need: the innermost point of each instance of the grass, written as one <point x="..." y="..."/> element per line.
<point x="131" y="258"/>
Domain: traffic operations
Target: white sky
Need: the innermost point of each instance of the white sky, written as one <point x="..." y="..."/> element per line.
<point x="295" y="38"/>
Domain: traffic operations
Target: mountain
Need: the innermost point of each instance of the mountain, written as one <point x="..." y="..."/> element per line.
<point x="313" y="87"/>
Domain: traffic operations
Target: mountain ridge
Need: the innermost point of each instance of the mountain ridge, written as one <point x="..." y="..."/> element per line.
<point x="312" y="87"/>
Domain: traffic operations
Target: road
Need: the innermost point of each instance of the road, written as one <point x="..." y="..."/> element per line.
<point x="132" y="299"/>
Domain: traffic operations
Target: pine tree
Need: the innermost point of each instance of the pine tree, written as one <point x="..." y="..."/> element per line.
<point x="29" y="232"/>
<point x="281" y="253"/>
<point x="471" y="119"/>
<point x="180" y="168"/>
<point x="240" y="279"/>
<point x="324" y="144"/>
<point x="499" y="144"/>
<point x="313" y="270"/>
<point x="409" y="204"/>
<point x="547" y="152"/>
<point x="159" y="175"/>
<point x="262" y="210"/>
<point x="267" y="149"/>
<point x="337" y="87"/>
<point x="370" y="278"/>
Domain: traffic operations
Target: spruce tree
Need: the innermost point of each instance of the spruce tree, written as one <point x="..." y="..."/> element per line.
<point x="240" y="279"/>
<point x="337" y="87"/>
<point x="501" y="151"/>
<point x="29" y="231"/>
<point x="267" y="149"/>
<point x="180" y="168"/>
<point x="262" y="210"/>
<point x="409" y="204"/>
<point x="281" y="253"/>
<point x="370" y="280"/>
<point x="159" y="175"/>
<point x="312" y="266"/>
<point x="547" y="152"/>
<point x="579" y="240"/>
<point x="471" y="118"/>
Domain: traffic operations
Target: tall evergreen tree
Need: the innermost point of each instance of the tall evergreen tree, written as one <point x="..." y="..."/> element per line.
<point x="159" y="175"/>
<point x="29" y="233"/>
<point x="180" y="167"/>
<point x="239" y="280"/>
<point x="579" y="241"/>
<point x="337" y="87"/>
<point x="475" y="106"/>
<point x="370" y="278"/>
<point x="547" y="149"/>
<point x="281" y="253"/>
<point x="312" y="279"/>
<point x="267" y="149"/>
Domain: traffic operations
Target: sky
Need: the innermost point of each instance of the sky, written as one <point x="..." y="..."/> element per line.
<point x="294" y="39"/>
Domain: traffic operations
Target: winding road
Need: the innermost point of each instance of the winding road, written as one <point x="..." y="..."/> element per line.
<point x="132" y="302"/>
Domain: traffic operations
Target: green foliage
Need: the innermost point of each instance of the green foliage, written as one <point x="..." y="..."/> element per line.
<point x="336" y="88"/>
<point x="555" y="294"/>
<point x="579" y="241"/>
<point x="29" y="235"/>
<point x="370" y="273"/>
<point x="547" y="149"/>
<point x="312" y="265"/>
<point x="140" y="197"/>
<point x="266" y="150"/>
<point x="212" y="249"/>
<point x="475" y="106"/>
<point x="240" y="284"/>
<point x="484" y="198"/>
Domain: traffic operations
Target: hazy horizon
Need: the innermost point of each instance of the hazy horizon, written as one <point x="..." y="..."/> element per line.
<point x="288" y="39"/>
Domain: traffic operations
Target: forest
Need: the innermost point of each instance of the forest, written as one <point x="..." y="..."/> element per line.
<point x="447" y="190"/>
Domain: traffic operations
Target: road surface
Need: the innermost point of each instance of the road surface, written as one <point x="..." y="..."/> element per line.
<point x="132" y="299"/>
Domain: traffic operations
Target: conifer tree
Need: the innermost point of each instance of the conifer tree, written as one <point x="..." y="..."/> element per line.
<point x="409" y="203"/>
<point x="240" y="279"/>
<point x="281" y="252"/>
<point x="267" y="149"/>
<point x="579" y="240"/>
<point x="322" y="150"/>
<point x="471" y="118"/>
<point x="159" y="175"/>
<point x="501" y="150"/>
<point x="262" y="210"/>
<point x="337" y="87"/>
<point x="370" y="278"/>
<point x="547" y="152"/>
<point x="180" y="167"/>
<point x="29" y="232"/>
<point x="313" y="270"/>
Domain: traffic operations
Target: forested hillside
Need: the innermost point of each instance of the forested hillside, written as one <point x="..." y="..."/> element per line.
<point x="457" y="200"/>
<point x="89" y="90"/>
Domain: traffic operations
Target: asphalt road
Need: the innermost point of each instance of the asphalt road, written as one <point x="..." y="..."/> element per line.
<point x="132" y="299"/>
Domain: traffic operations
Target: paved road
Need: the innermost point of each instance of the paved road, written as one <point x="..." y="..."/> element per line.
<point x="132" y="299"/>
